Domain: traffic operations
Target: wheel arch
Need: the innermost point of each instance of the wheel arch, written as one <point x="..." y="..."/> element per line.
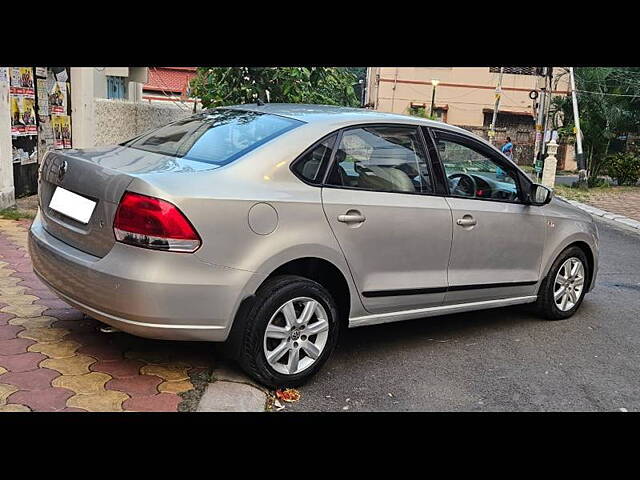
<point x="585" y="245"/>
<point x="326" y="274"/>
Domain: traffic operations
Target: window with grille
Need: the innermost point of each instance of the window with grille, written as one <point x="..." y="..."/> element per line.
<point x="515" y="70"/>
<point x="116" y="87"/>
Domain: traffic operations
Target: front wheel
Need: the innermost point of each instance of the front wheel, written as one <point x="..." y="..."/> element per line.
<point x="291" y="331"/>
<point x="562" y="291"/>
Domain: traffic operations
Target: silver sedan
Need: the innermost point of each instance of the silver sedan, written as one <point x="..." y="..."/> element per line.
<point x="271" y="227"/>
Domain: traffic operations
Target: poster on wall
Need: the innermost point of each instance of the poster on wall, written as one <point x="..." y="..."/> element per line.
<point x="41" y="72"/>
<point x="28" y="115"/>
<point x="61" y="126"/>
<point x="45" y="137"/>
<point x="58" y="98"/>
<point x="22" y="82"/>
<point x="23" y="116"/>
<point x="17" y="128"/>
<point x="4" y="74"/>
<point x="43" y="99"/>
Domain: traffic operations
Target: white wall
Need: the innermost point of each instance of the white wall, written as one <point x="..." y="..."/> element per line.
<point x="117" y="120"/>
<point x="7" y="192"/>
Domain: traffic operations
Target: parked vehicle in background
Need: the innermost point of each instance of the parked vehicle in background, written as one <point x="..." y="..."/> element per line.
<point x="271" y="227"/>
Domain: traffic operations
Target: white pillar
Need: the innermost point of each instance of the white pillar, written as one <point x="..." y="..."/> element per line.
<point x="83" y="119"/>
<point x="7" y="192"/>
<point x="550" y="164"/>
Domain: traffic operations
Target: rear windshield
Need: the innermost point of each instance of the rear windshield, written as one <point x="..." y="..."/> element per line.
<point x="217" y="137"/>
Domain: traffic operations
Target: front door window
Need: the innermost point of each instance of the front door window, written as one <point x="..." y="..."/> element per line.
<point x="472" y="174"/>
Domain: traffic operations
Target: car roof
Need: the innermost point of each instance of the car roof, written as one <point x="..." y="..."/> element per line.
<point x="336" y="115"/>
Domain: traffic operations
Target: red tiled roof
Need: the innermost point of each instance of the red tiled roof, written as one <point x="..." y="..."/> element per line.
<point x="169" y="79"/>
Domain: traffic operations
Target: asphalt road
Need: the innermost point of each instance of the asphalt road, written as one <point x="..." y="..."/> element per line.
<point x="499" y="360"/>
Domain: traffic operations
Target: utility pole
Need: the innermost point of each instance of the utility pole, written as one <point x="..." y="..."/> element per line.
<point x="582" y="168"/>
<point x="539" y="121"/>
<point x="539" y="126"/>
<point x="492" y="128"/>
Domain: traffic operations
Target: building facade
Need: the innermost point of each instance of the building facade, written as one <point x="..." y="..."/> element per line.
<point x="465" y="96"/>
<point x="169" y="84"/>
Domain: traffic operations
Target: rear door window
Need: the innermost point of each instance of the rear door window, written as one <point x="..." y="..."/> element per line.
<point x="382" y="158"/>
<point x="217" y="137"/>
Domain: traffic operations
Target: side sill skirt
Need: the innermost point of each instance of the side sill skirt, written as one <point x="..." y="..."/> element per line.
<point x="434" y="311"/>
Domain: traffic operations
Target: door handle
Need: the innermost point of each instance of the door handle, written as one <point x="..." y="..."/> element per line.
<point x="466" y="221"/>
<point x="351" y="217"/>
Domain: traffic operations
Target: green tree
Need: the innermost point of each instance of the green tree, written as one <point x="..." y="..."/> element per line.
<point x="219" y="86"/>
<point x="609" y="104"/>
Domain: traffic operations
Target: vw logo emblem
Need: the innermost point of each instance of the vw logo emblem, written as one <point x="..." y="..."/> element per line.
<point x="62" y="170"/>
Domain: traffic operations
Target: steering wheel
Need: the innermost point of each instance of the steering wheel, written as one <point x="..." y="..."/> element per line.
<point x="465" y="186"/>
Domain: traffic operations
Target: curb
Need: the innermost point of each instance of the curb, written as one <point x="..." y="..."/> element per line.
<point x="231" y="391"/>
<point x="629" y="222"/>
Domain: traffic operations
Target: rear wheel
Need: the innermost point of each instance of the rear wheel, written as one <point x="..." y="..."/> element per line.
<point x="291" y="331"/>
<point x="562" y="291"/>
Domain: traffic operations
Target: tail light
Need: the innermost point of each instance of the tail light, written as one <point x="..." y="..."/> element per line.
<point x="153" y="223"/>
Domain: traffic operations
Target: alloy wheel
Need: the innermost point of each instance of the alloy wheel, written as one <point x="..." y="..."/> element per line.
<point x="296" y="335"/>
<point x="569" y="284"/>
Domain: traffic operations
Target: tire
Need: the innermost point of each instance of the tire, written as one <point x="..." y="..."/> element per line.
<point x="546" y="303"/>
<point x="272" y="300"/>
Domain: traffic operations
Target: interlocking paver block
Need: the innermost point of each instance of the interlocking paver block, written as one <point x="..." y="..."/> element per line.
<point x="63" y="349"/>
<point x="18" y="299"/>
<point x="118" y="368"/>
<point x="6" y="272"/>
<point x="44" y="335"/>
<point x="9" y="281"/>
<point x="76" y="365"/>
<point x="12" y="407"/>
<point x="21" y="362"/>
<point x="24" y="310"/>
<point x="32" y="380"/>
<point x="102" y="351"/>
<point x="15" y="345"/>
<point x="156" y="357"/>
<point x="106" y="401"/>
<point x="53" y="304"/>
<point x="136" y="385"/>
<point x="33" y="322"/>
<point x="5" y="318"/>
<point x="161" y="402"/>
<point x="5" y="391"/>
<point x="46" y="400"/>
<point x="175" y="387"/>
<point x="86" y="384"/>
<point x="4" y="291"/>
<point x="167" y="372"/>
<point x="9" y="331"/>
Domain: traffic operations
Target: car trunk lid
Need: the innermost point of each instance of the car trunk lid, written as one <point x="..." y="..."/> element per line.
<point x="101" y="175"/>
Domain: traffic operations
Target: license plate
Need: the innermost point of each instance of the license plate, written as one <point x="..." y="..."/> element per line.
<point x="72" y="205"/>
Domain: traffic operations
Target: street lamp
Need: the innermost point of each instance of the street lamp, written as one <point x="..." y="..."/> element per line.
<point x="434" y="83"/>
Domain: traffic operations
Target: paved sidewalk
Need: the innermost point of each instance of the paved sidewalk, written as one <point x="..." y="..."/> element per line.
<point x="52" y="358"/>
<point x="626" y="203"/>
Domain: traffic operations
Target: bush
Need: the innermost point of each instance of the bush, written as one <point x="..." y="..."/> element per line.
<point x="623" y="167"/>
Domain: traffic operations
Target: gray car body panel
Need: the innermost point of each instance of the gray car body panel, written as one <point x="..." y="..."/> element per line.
<point x="196" y="296"/>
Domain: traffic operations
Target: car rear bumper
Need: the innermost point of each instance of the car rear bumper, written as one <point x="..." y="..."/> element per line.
<point x="163" y="295"/>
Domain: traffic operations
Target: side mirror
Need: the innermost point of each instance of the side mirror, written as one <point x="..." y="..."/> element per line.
<point x="540" y="195"/>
